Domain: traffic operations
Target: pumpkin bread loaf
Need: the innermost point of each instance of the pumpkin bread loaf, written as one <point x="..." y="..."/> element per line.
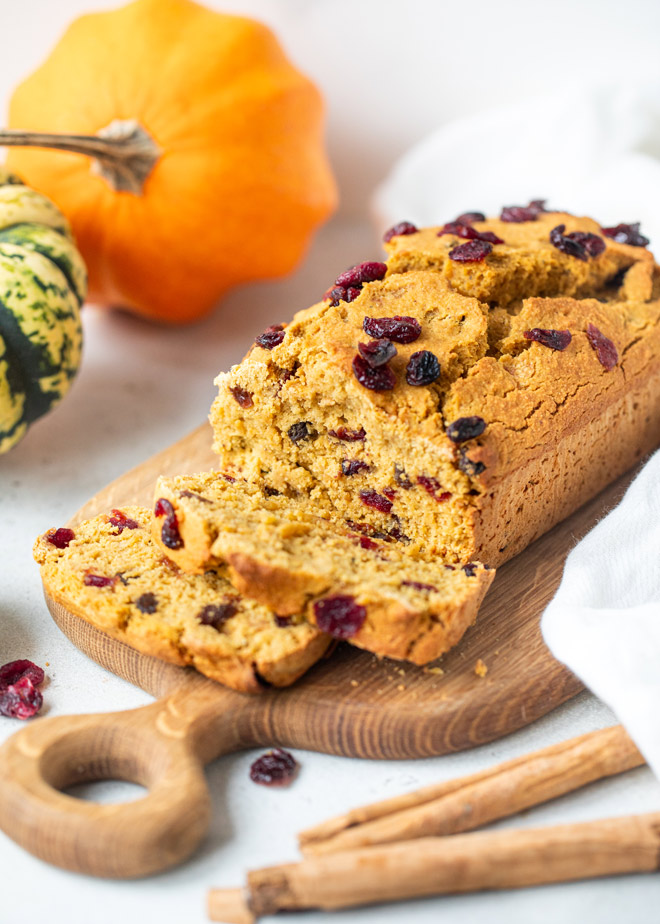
<point x="464" y="397"/>
<point x="108" y="571"/>
<point x="349" y="585"/>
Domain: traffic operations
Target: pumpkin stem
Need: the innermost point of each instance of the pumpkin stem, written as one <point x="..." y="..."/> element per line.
<point x="123" y="153"/>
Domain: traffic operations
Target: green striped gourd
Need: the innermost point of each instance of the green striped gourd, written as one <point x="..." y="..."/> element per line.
<point x="43" y="282"/>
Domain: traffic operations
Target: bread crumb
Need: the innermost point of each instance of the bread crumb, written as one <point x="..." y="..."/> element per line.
<point x="401" y="687"/>
<point x="354" y="683"/>
<point x="438" y="671"/>
<point x="480" y="668"/>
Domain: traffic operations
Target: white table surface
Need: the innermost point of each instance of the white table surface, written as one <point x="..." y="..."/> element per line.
<point x="142" y="387"/>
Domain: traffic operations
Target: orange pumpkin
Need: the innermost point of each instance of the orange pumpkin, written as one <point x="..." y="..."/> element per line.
<point x="221" y="177"/>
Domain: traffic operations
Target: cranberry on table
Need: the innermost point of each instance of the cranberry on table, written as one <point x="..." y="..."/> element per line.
<point x="339" y="616"/>
<point x="472" y="252"/>
<point x="423" y="368"/>
<point x="19" y="696"/>
<point x="465" y="428"/>
<point x="555" y="339"/>
<point x="274" y="768"/>
<point x="401" y="329"/>
<point x="606" y="352"/>
<point x="402" y="228"/>
<point x="379" y="379"/>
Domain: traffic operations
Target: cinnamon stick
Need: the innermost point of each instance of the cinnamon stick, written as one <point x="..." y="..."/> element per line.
<point x="470" y="802"/>
<point x="439" y="865"/>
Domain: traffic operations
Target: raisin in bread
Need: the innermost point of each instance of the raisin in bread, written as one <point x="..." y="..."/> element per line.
<point x="109" y="572"/>
<point x="350" y="585"/>
<point x="464" y="397"/>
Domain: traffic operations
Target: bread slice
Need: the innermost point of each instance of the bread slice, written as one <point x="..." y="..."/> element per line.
<point x="112" y="575"/>
<point x="355" y="586"/>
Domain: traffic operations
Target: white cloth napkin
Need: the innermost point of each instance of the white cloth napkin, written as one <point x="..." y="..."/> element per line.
<point x="595" y="153"/>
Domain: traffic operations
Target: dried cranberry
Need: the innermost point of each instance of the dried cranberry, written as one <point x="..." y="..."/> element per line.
<point x="465" y="428"/>
<point x="20" y="699"/>
<point x="398" y="534"/>
<point x="275" y="768"/>
<point x="472" y="252"/>
<point x="555" y="339"/>
<point x="147" y="603"/>
<point x="340" y="616"/>
<point x="216" y="614"/>
<point x="303" y="430"/>
<point x="401" y="478"/>
<point x="163" y="508"/>
<point x="271" y="337"/>
<point x="242" y="397"/>
<point x="520" y="213"/>
<point x="592" y="243"/>
<point x="271" y="492"/>
<point x="203" y="500"/>
<point x="366" y="543"/>
<point x="349" y="436"/>
<point x="417" y="585"/>
<point x="434" y="488"/>
<point x="371" y="498"/>
<point x="400" y="329"/>
<point x="403" y="227"/>
<point x="390" y="493"/>
<point x="605" y="349"/>
<point x="121" y="521"/>
<point x="468" y="466"/>
<point x="459" y="229"/>
<point x="379" y="379"/>
<point x="353" y="466"/>
<point x="366" y="529"/>
<point x="99" y="580"/>
<point x="567" y="245"/>
<point x="169" y="533"/>
<point x="229" y="478"/>
<point x="13" y="671"/>
<point x="61" y="537"/>
<point x="626" y="234"/>
<point x="283" y="621"/>
<point x="335" y="294"/>
<point x="377" y="352"/>
<point x="468" y="218"/>
<point x="423" y="368"/>
<point x="361" y="273"/>
<point x="470" y="569"/>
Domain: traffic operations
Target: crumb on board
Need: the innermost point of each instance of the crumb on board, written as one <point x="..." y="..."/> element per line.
<point x="355" y="683"/>
<point x="401" y="687"/>
<point x="480" y="668"/>
<point x="437" y="671"/>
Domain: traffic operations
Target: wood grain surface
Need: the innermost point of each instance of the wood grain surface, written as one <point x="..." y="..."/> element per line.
<point x="350" y="704"/>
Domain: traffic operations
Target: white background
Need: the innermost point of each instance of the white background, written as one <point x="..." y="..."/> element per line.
<point x="390" y="74"/>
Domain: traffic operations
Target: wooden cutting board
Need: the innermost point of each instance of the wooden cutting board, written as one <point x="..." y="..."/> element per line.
<point x="350" y="704"/>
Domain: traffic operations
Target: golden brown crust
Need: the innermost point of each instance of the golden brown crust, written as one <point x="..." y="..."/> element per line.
<point x="559" y="423"/>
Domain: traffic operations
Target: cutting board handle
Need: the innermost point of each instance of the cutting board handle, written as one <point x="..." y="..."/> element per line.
<point x="163" y="747"/>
